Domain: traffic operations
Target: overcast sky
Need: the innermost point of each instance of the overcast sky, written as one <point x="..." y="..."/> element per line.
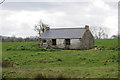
<point x="19" y="18"/>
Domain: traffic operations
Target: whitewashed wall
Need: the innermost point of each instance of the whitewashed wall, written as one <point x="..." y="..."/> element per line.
<point x="60" y="43"/>
<point x="74" y="43"/>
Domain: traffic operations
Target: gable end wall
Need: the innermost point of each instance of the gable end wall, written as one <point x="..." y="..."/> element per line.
<point x="87" y="40"/>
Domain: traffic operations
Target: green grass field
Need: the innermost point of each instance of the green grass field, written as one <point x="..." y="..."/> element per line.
<point x="26" y="60"/>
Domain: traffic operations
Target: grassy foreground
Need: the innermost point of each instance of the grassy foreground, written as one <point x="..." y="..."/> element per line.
<point x="26" y="60"/>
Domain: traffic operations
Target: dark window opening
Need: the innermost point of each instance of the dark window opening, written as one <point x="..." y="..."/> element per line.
<point x="67" y="41"/>
<point x="53" y="41"/>
<point x="44" y="41"/>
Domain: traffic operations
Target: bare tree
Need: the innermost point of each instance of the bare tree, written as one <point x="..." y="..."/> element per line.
<point x="2" y="1"/>
<point x="40" y="28"/>
<point x="99" y="33"/>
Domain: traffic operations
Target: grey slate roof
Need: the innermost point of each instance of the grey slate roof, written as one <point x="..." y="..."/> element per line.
<point x="64" y="33"/>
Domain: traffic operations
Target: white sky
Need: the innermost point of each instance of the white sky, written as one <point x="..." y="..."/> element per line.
<point x="19" y="18"/>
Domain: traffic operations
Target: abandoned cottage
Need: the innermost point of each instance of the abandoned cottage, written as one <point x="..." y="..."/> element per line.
<point x="67" y="38"/>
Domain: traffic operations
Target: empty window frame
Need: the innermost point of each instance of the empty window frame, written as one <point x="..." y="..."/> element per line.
<point x="53" y="41"/>
<point x="44" y="41"/>
<point x="67" y="41"/>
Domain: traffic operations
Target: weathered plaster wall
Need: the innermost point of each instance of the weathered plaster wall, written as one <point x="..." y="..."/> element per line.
<point x="74" y="43"/>
<point x="60" y="43"/>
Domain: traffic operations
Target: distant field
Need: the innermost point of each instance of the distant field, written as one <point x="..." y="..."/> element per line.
<point x="106" y="42"/>
<point x="26" y="60"/>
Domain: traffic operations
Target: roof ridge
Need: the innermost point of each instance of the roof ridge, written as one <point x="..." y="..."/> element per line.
<point x="65" y="28"/>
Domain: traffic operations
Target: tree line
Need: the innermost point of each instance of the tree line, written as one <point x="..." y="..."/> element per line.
<point x="17" y="39"/>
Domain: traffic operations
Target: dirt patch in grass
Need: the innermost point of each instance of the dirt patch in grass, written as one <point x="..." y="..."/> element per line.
<point x="42" y="76"/>
<point x="7" y="63"/>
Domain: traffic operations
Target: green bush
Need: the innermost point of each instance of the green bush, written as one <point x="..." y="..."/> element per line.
<point x="42" y="49"/>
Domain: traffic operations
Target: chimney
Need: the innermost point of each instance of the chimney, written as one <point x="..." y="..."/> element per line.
<point x="87" y="27"/>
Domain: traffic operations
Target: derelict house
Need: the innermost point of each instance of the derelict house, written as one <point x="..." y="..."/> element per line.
<point x="67" y="38"/>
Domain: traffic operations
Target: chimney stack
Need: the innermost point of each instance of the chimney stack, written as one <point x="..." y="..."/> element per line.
<point x="87" y="27"/>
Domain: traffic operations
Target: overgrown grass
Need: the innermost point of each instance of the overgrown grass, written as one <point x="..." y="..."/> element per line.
<point x="30" y="60"/>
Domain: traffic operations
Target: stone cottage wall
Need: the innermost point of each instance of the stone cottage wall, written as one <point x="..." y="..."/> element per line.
<point x="87" y="40"/>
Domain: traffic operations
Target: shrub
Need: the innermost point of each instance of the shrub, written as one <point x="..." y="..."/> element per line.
<point x="115" y="48"/>
<point x="8" y="49"/>
<point x="82" y="58"/>
<point x="51" y="50"/>
<point x="39" y="53"/>
<point x="22" y="48"/>
<point x="59" y="60"/>
<point x="42" y="49"/>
